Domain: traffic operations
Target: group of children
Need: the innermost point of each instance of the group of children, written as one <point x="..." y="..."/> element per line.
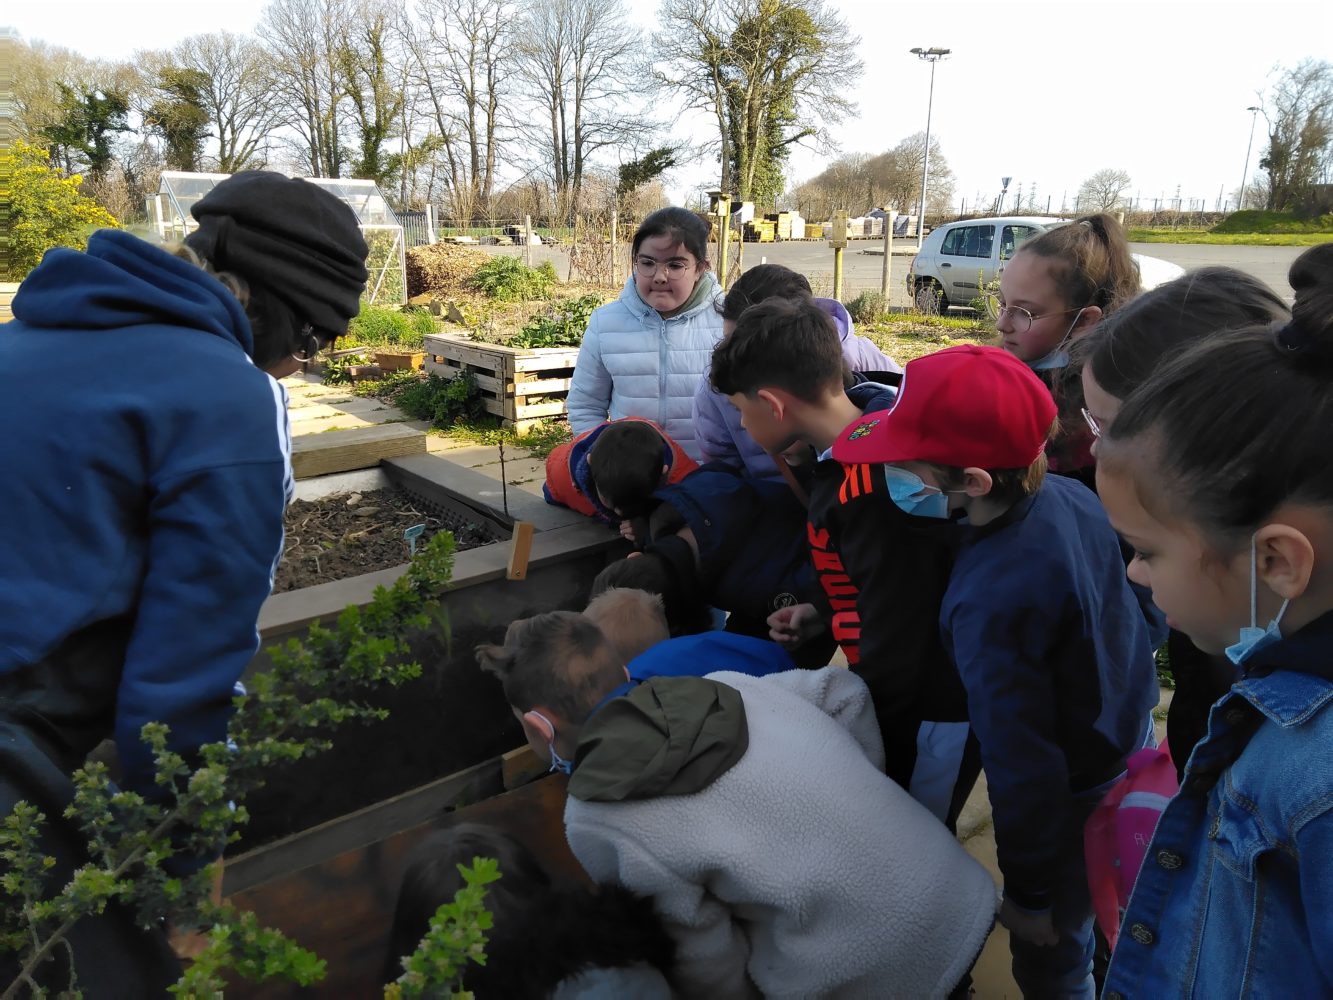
<point x="999" y="539"/>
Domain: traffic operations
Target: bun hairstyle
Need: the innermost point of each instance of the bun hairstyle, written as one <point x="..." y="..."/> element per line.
<point x="1237" y="425"/>
<point x="1124" y="349"/>
<point x="1090" y="262"/>
<point x="682" y="225"/>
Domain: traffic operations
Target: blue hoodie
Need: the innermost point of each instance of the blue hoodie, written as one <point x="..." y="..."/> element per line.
<point x="148" y="467"/>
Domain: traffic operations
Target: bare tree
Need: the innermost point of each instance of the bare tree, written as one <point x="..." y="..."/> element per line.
<point x="891" y="180"/>
<point x="1104" y="191"/>
<point x="369" y="58"/>
<point x="303" y="38"/>
<point x="578" y="60"/>
<point x="770" y="72"/>
<point x="1299" y="112"/>
<point x="462" y="50"/>
<point x="239" y="96"/>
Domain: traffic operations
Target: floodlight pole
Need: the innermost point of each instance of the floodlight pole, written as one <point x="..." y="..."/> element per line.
<point x="931" y="56"/>
<point x="1254" y="115"/>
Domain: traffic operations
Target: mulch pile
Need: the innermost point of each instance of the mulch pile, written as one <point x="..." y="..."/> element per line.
<point x="349" y="534"/>
<point x="441" y="268"/>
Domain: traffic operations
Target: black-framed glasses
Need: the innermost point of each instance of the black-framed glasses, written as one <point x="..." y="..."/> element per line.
<point x="647" y="267"/>
<point x="1019" y="317"/>
<point x="1094" y="424"/>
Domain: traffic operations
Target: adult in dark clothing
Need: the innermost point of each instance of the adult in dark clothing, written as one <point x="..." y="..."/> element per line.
<point x="145" y="501"/>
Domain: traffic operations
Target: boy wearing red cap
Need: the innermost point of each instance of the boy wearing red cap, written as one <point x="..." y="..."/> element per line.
<point x="1047" y="635"/>
<point x="883" y="571"/>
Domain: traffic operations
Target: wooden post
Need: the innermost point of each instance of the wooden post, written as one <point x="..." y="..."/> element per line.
<point x="573" y="246"/>
<point x="888" y="256"/>
<point x="838" y="241"/>
<point x="520" y="548"/>
<point x="723" y="237"/>
<point x="527" y="240"/>
<point x="615" y="247"/>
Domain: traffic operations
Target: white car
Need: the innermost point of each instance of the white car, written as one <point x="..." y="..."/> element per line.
<point x="958" y="260"/>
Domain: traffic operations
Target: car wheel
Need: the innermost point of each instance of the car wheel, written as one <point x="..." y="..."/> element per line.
<point x="930" y="299"/>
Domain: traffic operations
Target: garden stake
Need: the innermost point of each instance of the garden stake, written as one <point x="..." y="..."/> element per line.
<point x="504" y="480"/>
<point x="411" y="535"/>
<point x="520" y="549"/>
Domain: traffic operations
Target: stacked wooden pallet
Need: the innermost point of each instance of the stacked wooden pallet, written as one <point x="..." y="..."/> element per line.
<point x="521" y="385"/>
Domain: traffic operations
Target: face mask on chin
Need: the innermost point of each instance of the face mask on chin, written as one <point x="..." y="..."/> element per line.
<point x="1058" y="358"/>
<point x="1252" y="637"/>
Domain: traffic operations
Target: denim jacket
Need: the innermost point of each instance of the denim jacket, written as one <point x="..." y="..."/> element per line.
<point x="1235" y="898"/>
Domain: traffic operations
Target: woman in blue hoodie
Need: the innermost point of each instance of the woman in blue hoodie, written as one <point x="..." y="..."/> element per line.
<point x="1229" y="507"/>
<point x="144" y="499"/>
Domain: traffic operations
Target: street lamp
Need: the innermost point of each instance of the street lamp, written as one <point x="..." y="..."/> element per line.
<point x="1254" y="115"/>
<point x="931" y="56"/>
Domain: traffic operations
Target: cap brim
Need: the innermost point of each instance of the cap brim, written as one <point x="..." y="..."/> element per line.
<point x="870" y="439"/>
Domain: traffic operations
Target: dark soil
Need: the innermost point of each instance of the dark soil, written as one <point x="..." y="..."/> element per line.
<point x="348" y="534"/>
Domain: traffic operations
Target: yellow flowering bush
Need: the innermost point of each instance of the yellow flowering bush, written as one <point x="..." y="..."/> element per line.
<point x="47" y="210"/>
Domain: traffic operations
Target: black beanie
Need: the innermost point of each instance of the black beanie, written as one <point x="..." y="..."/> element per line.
<point x="294" y="240"/>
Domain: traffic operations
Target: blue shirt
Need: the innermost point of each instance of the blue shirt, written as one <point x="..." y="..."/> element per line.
<point x="1235" y="897"/>
<point x="708" y="652"/>
<point x="1054" y="653"/>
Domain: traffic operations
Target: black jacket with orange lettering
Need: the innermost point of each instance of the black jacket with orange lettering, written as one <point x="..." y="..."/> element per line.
<point x="885" y="573"/>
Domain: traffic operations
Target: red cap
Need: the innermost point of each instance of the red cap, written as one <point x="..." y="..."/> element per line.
<point x="965" y="406"/>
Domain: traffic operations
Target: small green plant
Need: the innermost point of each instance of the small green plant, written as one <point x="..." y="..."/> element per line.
<point x="377" y="326"/>
<point x="336" y="369"/>
<point x="869" y="307"/>
<point x="1164" y="675"/>
<point x="313" y="685"/>
<point x="457" y="937"/>
<point x="389" y="387"/>
<point x="508" y="279"/>
<point x="561" y="325"/>
<point x="422" y="322"/>
<point x="984" y="304"/>
<point x="442" y="401"/>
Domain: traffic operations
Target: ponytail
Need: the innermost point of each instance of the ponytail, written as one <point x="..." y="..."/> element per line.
<point x="1090" y="262"/>
<point x="1234" y="427"/>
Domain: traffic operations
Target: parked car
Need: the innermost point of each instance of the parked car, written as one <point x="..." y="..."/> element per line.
<point x="958" y="260"/>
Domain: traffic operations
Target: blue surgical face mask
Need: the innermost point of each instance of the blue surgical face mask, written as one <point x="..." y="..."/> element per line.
<point x="558" y="763"/>
<point x="1252" y="637"/>
<point x="1058" y="358"/>
<point x="913" y="496"/>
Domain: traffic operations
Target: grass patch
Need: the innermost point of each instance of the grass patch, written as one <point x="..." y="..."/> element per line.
<point x="1229" y="239"/>
<point x="539" y="441"/>
<point x="1258" y="221"/>
<point x="905" y="336"/>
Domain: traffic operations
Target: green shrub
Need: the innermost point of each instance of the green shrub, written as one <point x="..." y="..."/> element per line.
<point x="335" y="369"/>
<point x="869" y="307"/>
<point x="442" y="401"/>
<point x="509" y="279"/>
<point x="562" y="325"/>
<point x="376" y="326"/>
<point x="1259" y="221"/>
<point x="422" y="321"/>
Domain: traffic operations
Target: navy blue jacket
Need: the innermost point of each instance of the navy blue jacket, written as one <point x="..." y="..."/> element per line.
<point x="753" y="557"/>
<point x="1054" y="652"/>
<point x="143" y="495"/>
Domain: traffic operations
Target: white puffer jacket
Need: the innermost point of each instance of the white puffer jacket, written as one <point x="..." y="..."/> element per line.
<point x="634" y="363"/>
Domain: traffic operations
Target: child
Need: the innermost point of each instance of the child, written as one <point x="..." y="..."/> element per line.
<point x="1049" y="640"/>
<point x="643" y="354"/>
<point x="631" y="459"/>
<point x="1055" y="290"/>
<point x="636" y="624"/>
<point x="560" y="942"/>
<point x="718" y="539"/>
<point x="1120" y="355"/>
<point x="1228" y="507"/>
<point x="883" y="572"/>
<point x="716" y="422"/>
<point x="755" y="812"/>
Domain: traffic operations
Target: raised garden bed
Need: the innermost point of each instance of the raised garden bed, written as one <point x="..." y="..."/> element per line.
<point x="453" y="717"/>
<point x="347" y="534"/>
<point x="521" y="385"/>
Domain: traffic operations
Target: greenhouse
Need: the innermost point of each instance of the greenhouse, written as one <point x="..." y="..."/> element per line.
<point x="169" y="212"/>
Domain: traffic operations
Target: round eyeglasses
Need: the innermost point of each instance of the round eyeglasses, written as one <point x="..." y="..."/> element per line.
<point x="647" y="267"/>
<point x="1094" y="424"/>
<point x="1019" y="318"/>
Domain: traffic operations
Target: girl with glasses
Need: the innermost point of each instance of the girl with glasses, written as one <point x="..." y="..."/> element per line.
<point x="643" y="355"/>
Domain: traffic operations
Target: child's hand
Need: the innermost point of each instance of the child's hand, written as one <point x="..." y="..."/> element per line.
<point x="627" y="531"/>
<point x="794" y="625"/>
<point x="1032" y="926"/>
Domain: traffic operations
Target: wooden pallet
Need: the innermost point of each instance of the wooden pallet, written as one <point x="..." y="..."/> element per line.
<point x="521" y="385"/>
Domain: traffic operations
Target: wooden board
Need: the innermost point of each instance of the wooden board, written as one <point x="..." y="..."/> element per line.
<point x="361" y="448"/>
<point x="7" y="290"/>
<point x="519" y="385"/>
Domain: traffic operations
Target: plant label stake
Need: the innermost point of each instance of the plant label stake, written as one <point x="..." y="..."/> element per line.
<point x="520" y="548"/>
<point x="411" y="535"/>
<point x="504" y="480"/>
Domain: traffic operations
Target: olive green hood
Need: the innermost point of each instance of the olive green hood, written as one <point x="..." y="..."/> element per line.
<point x="669" y="736"/>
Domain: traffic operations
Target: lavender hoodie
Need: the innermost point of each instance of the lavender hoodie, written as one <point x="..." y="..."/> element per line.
<point x="717" y="424"/>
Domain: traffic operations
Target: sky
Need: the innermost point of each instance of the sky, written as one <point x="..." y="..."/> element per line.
<point x="1043" y="92"/>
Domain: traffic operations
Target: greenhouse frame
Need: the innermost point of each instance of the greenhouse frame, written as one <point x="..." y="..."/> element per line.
<point x="169" y="212"/>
